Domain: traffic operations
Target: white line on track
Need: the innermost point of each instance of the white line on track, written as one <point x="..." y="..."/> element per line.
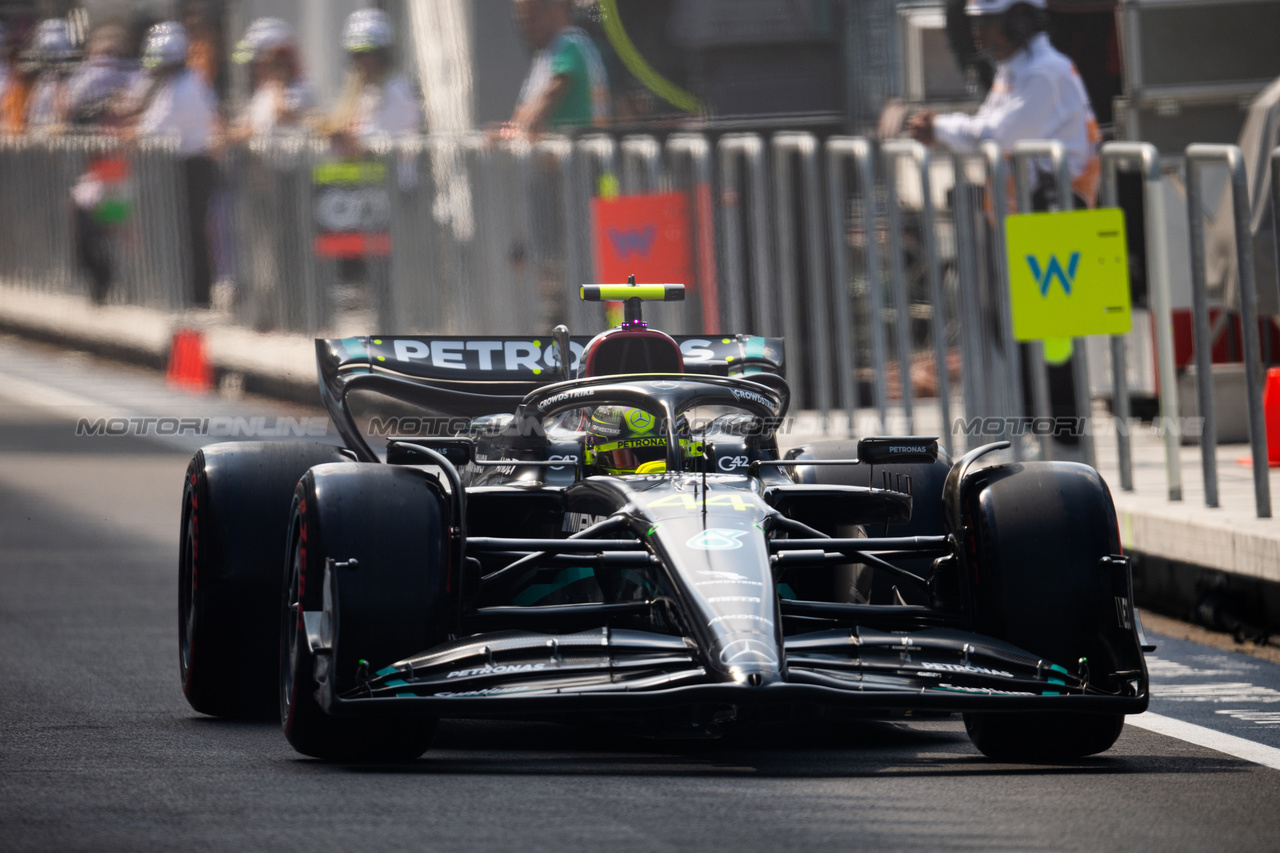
<point x="1267" y="756"/>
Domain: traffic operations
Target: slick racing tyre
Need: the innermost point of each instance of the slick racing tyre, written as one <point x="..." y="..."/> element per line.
<point x="391" y="603"/>
<point x="1040" y="531"/>
<point x="235" y="513"/>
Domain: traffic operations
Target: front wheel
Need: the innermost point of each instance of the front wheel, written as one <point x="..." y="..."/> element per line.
<point x="1042" y="735"/>
<point x="391" y="522"/>
<point x="1038" y="534"/>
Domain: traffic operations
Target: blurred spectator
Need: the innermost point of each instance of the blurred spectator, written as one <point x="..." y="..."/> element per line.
<point x="105" y="75"/>
<point x="4" y="58"/>
<point x="204" y="44"/>
<point x="376" y="99"/>
<point x="20" y="77"/>
<point x="172" y="101"/>
<point x="566" y="86"/>
<point x="51" y="50"/>
<point x="281" y="94"/>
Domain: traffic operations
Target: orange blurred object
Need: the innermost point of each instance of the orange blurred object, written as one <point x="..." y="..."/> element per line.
<point x="1271" y="410"/>
<point x="188" y="367"/>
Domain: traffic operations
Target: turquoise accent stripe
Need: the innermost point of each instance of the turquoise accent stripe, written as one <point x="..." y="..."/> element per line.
<point x="538" y="591"/>
<point x="785" y="590"/>
<point x="1051" y="680"/>
<point x="356" y="348"/>
<point x="397" y="683"/>
<point x="386" y="670"/>
<point x="754" y="348"/>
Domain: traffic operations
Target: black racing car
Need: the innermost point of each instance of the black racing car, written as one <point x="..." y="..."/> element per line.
<point x="616" y="536"/>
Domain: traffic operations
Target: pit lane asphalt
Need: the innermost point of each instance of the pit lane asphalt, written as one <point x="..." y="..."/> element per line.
<point x="99" y="750"/>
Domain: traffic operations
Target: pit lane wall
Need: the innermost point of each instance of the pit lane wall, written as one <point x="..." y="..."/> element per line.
<point x="873" y="261"/>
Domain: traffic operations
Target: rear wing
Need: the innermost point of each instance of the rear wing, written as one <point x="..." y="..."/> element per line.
<point x="520" y="364"/>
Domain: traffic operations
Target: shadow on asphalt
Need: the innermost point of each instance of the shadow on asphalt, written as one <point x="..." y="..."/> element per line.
<point x="933" y="748"/>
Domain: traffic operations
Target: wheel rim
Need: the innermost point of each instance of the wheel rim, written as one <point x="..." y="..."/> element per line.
<point x="186" y="592"/>
<point x="289" y="632"/>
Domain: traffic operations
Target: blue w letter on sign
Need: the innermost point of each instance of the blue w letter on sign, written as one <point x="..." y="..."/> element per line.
<point x="1054" y="270"/>
<point x="637" y="241"/>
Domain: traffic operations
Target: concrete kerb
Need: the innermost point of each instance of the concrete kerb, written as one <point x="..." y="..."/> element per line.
<point x="275" y="365"/>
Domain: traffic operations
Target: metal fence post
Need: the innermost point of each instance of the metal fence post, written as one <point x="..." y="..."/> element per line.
<point x="976" y="365"/>
<point x="804" y="146"/>
<point x="937" y="318"/>
<point x="864" y="161"/>
<point x="695" y="148"/>
<point x="1035" y="349"/>
<point x="839" y="149"/>
<point x="892" y="152"/>
<point x="601" y="151"/>
<point x="1114" y="153"/>
<point x="750" y="148"/>
<point x="1200" y="328"/>
<point x="640" y="163"/>
<point x="1230" y="155"/>
<point x="998" y="176"/>
<point x="1108" y="197"/>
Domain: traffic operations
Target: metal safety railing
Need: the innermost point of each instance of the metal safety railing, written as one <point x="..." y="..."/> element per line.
<point x="1148" y="158"/>
<point x="883" y="265"/>
<point x="38" y="244"/>
<point x="1199" y="156"/>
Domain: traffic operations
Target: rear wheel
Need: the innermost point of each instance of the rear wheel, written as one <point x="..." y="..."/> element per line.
<point x="1040" y="532"/>
<point x="394" y="603"/>
<point x="235" y="512"/>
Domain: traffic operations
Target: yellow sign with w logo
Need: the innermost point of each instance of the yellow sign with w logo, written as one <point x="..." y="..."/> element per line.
<point x="1068" y="274"/>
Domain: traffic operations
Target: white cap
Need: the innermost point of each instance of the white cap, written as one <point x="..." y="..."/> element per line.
<point x="367" y="29"/>
<point x="166" y="45"/>
<point x="263" y="34"/>
<point x="52" y="39"/>
<point x="999" y="7"/>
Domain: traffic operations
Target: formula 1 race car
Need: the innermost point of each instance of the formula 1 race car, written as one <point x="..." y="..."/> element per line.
<point x="605" y="528"/>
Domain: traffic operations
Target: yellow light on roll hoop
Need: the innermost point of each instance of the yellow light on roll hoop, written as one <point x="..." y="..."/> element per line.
<point x="621" y="292"/>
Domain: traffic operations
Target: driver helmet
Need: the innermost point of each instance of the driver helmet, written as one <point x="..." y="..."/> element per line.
<point x="623" y="440"/>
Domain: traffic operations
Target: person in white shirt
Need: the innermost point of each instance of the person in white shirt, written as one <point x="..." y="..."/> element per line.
<point x="281" y="94"/>
<point x="51" y="47"/>
<point x="376" y="101"/>
<point x="1037" y="94"/>
<point x="173" y="102"/>
<point x="103" y="77"/>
